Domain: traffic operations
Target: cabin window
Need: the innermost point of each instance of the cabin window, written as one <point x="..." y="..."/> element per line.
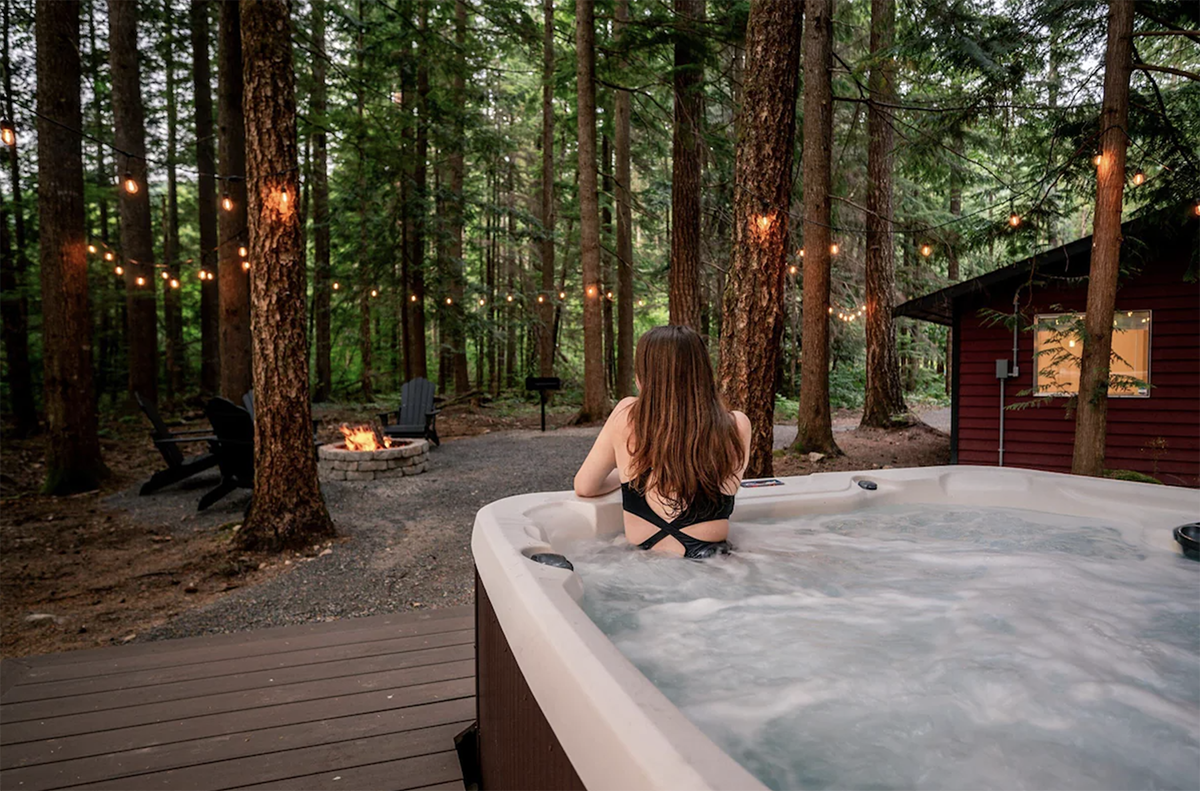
<point x="1058" y="345"/>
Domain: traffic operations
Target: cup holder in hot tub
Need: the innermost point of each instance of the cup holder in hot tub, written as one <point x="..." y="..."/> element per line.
<point x="1188" y="537"/>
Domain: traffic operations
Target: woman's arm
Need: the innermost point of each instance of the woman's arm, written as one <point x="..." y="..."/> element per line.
<point x="598" y="474"/>
<point x="744" y="431"/>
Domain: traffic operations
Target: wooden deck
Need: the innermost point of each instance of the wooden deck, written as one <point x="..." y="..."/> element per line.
<point x="368" y="703"/>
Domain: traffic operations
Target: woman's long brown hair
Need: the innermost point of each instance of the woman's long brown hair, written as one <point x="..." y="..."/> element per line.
<point x="684" y="443"/>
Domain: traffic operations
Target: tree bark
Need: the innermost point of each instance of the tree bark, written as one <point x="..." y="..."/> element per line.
<point x="456" y="311"/>
<point x="952" y="240"/>
<point x="14" y="304"/>
<point x="73" y="462"/>
<point x="752" y="325"/>
<point x="687" y="152"/>
<point x="621" y="143"/>
<point x="607" y="277"/>
<point x="546" y="307"/>
<point x="884" y="398"/>
<point x="1091" y="422"/>
<point x="595" y="397"/>
<point x="172" y="303"/>
<point x="415" y="358"/>
<point x="137" y="246"/>
<point x="288" y="511"/>
<point x="815" y="426"/>
<point x="365" y="275"/>
<point x="322" y="272"/>
<point x="234" y="281"/>
<point x="206" y="164"/>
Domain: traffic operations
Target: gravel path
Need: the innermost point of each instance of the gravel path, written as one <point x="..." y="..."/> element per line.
<point x="407" y="541"/>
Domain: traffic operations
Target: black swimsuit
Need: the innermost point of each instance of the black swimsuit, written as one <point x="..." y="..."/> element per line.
<point x="634" y="502"/>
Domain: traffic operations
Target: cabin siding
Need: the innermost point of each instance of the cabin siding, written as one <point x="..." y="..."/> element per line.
<point x="1158" y="436"/>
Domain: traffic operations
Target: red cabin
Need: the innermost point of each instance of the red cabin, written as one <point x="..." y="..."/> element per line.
<point x="1016" y="345"/>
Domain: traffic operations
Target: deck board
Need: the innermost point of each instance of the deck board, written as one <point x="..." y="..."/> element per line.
<point x="362" y="703"/>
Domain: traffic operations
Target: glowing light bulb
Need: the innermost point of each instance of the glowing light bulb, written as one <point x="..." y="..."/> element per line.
<point x="562" y="295"/>
<point x="202" y="275"/>
<point x="449" y="301"/>
<point x="91" y="248"/>
<point x="834" y="249"/>
<point x="336" y="286"/>
<point x="830" y="310"/>
<point x="8" y="133"/>
<point x="1096" y="160"/>
<point x="541" y="299"/>
<point x="508" y="298"/>
<point x="801" y="253"/>
<point x="283" y="197"/>
<point x="108" y="256"/>
<point x="609" y="295"/>
<point x="166" y="275"/>
<point x="1014" y="219"/>
<point x="1139" y="178"/>
<point x="120" y="270"/>
<point x="792" y="269"/>
<point x="227" y="203"/>
<point x="1071" y="344"/>
<point x="374" y="293"/>
<point x="641" y="303"/>
<point x="1130" y="314"/>
<point x="243" y="252"/>
<point x="482" y="301"/>
<point x="764" y="222"/>
<point x="591" y="291"/>
<point x="131" y="186"/>
<point x="174" y="283"/>
<point x="245" y="266"/>
<point x="141" y="281"/>
<point x="926" y="250"/>
<point x="412" y="298"/>
<point x="1196" y="211"/>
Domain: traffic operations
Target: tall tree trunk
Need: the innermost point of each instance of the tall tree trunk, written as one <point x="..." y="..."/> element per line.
<point x="595" y="397"/>
<point x="73" y="462"/>
<point x="609" y="287"/>
<point x="234" y="281"/>
<point x="322" y="273"/>
<point x="815" y="426"/>
<point x="1091" y="422"/>
<point x="546" y="307"/>
<point x="365" y="275"/>
<point x="288" y="510"/>
<point x="137" y="246"/>
<point x="420" y="210"/>
<point x="206" y="164"/>
<point x="456" y="311"/>
<point x="172" y="302"/>
<point x="952" y="240"/>
<point x="884" y="399"/>
<point x="753" y="320"/>
<point x="14" y="304"/>
<point x="687" y="151"/>
<point x="624" y="220"/>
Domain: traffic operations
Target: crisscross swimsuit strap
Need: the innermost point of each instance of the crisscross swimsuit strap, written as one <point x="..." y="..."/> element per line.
<point x="634" y="502"/>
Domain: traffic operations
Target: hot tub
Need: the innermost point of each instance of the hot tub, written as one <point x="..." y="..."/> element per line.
<point x="559" y="706"/>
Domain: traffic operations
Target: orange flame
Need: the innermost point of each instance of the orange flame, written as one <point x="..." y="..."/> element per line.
<point x="362" y="438"/>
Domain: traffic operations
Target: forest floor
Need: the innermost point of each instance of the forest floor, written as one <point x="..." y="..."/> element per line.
<point x="65" y="563"/>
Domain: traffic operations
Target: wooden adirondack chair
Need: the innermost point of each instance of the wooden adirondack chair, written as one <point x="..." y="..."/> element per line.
<point x="234" y="448"/>
<point x="168" y="442"/>
<point x="416" y="417"/>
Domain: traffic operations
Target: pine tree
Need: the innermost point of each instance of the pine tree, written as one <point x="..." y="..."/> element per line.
<point x="687" y="153"/>
<point x="621" y="142"/>
<point x="546" y="307"/>
<point x="206" y="164"/>
<point x="322" y="273"/>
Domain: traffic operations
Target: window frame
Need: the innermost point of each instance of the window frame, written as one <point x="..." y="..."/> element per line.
<point x="1037" y="321"/>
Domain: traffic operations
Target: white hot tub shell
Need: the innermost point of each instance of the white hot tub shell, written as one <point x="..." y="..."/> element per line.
<point x="616" y="729"/>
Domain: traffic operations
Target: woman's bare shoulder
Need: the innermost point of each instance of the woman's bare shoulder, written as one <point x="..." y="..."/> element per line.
<point x="743" y="422"/>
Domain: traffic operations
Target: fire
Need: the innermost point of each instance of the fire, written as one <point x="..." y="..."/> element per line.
<point x="363" y="438"/>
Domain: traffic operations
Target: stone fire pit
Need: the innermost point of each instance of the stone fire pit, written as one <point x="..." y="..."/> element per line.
<point x="405" y="457"/>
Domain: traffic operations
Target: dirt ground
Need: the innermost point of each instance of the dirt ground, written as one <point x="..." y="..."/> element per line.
<point x="65" y="563"/>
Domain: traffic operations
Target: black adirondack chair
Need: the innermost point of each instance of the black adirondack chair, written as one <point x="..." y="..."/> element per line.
<point x="234" y="448"/>
<point x="248" y="402"/>
<point x="167" y="441"/>
<point x="416" y="417"/>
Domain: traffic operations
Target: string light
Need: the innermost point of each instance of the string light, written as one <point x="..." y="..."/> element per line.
<point x="8" y="133"/>
<point x="245" y="266"/>
<point x="1096" y="160"/>
<point x="562" y="295"/>
<point x="203" y="275"/>
<point x="1196" y="211"/>
<point x="174" y="283"/>
<point x="336" y="286"/>
<point x="141" y="281"/>
<point x="509" y="298"/>
<point x="641" y="303"/>
<point x="227" y="203"/>
<point x="412" y="298"/>
<point x="449" y="301"/>
<point x="834" y="249"/>
<point x="1014" y="219"/>
<point x="243" y="252"/>
<point x="91" y="248"/>
<point x="609" y="295"/>
<point x="801" y="252"/>
<point x="374" y="293"/>
<point x="591" y="291"/>
<point x="926" y="250"/>
<point x="118" y="271"/>
<point x="482" y="301"/>
<point x="541" y="299"/>
<point x="108" y="256"/>
<point x="1139" y="178"/>
<point x="166" y="275"/>
<point x="131" y="186"/>
<point x="830" y="310"/>
<point x="792" y="269"/>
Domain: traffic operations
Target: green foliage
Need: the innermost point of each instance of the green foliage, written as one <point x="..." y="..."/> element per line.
<point x="1131" y="475"/>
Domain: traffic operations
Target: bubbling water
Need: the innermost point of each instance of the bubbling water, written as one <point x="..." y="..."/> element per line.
<point x="932" y="647"/>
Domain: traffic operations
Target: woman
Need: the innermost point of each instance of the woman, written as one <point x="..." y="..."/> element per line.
<point x="676" y="453"/>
